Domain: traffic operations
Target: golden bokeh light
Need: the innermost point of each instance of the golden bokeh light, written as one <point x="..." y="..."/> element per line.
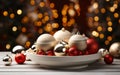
<point x="103" y="10"/>
<point x="107" y="42"/>
<point x="46" y="18"/>
<point x="115" y="6"/>
<point x="110" y="29"/>
<point x="109" y="38"/>
<point x="112" y="9"/>
<point x="40" y="30"/>
<point x="95" y="5"/>
<point x="108" y="18"/>
<point x="8" y="46"/>
<point x="32" y="2"/>
<point x="52" y="5"/>
<point x="5" y="13"/>
<point x="64" y="19"/>
<point x="95" y="33"/>
<point x="116" y="15"/>
<point x="64" y="12"/>
<point x="27" y="44"/>
<point x="14" y="28"/>
<point x="42" y="4"/>
<point x="109" y="23"/>
<point x="96" y="18"/>
<point x="12" y="15"/>
<point x="48" y="27"/>
<point x="71" y="12"/>
<point x="19" y="11"/>
<point x="101" y="36"/>
<point x="99" y="28"/>
<point x="40" y="15"/>
<point x="24" y="29"/>
<point x="25" y="19"/>
<point x="55" y="25"/>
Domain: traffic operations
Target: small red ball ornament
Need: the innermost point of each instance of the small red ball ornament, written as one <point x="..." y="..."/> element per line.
<point x="73" y="51"/>
<point x="41" y="52"/>
<point x="20" y="58"/>
<point x="92" y="46"/>
<point x="50" y="53"/>
<point x="108" y="59"/>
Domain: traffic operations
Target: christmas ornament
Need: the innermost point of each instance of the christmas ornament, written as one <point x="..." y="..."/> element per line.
<point x="62" y="35"/>
<point x="73" y="51"/>
<point x="108" y="59"/>
<point x="7" y="60"/>
<point x="32" y="49"/>
<point x="92" y="46"/>
<point x="18" y="49"/>
<point x="45" y="42"/>
<point x="103" y="51"/>
<point x="115" y="49"/>
<point x="20" y="58"/>
<point x="59" y="49"/>
<point x="41" y="52"/>
<point x="79" y="41"/>
<point x="50" y="53"/>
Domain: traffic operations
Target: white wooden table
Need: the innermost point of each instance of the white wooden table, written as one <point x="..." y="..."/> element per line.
<point x="30" y="68"/>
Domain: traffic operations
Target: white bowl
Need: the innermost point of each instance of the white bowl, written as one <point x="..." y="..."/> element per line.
<point x="64" y="61"/>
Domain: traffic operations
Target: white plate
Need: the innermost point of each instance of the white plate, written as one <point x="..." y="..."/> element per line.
<point x="64" y="61"/>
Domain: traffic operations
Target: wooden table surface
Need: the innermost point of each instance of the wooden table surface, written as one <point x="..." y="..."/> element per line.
<point x="33" y="69"/>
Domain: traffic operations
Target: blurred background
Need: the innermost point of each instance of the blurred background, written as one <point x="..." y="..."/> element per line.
<point x="22" y="21"/>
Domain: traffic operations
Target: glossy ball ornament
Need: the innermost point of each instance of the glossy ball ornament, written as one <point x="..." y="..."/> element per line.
<point x="7" y="60"/>
<point x="18" y="49"/>
<point x="92" y="46"/>
<point x="62" y="35"/>
<point x="79" y="41"/>
<point x="103" y="51"/>
<point x="115" y="49"/>
<point x="45" y="42"/>
<point x="59" y="49"/>
<point x="20" y="58"/>
<point x="108" y="59"/>
<point x="73" y="51"/>
<point x="32" y="50"/>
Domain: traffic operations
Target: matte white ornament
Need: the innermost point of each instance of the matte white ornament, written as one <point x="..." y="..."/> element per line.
<point x="45" y="42"/>
<point x="62" y="35"/>
<point x="79" y="41"/>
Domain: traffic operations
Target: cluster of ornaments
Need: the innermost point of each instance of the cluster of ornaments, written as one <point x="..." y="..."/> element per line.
<point x="64" y="43"/>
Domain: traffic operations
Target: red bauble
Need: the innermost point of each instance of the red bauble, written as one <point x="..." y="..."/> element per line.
<point x="92" y="46"/>
<point x="20" y="58"/>
<point x="41" y="52"/>
<point x="73" y="51"/>
<point x="108" y="59"/>
<point x="80" y="52"/>
<point x="50" y="53"/>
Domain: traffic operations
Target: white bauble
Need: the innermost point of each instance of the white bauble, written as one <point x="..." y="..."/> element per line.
<point x="115" y="49"/>
<point x="103" y="51"/>
<point x="79" y="41"/>
<point x="62" y="35"/>
<point x="45" y="42"/>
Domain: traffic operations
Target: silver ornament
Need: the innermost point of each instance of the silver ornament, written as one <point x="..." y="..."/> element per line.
<point x="18" y="49"/>
<point x="60" y="49"/>
<point x="7" y="60"/>
<point x="103" y="51"/>
<point x="115" y="49"/>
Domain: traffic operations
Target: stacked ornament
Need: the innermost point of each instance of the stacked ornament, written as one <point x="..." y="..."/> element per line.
<point x="64" y="43"/>
<point x="113" y="52"/>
